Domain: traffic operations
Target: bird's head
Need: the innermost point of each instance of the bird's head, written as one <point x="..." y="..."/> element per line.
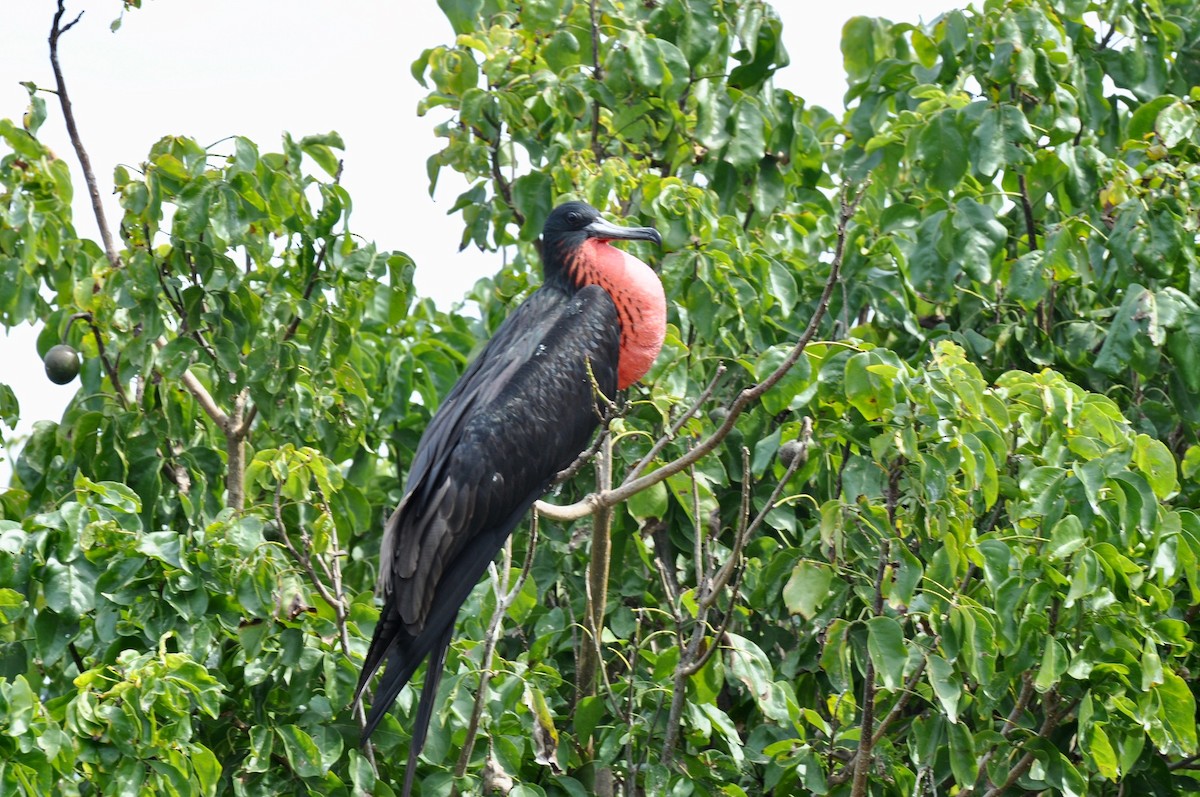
<point x="573" y="230"/>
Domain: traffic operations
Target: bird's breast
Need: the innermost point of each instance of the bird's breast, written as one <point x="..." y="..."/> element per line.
<point x="641" y="305"/>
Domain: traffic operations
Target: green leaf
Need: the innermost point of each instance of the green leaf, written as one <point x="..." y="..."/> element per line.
<point x="1154" y="459"/>
<point x="749" y="141"/>
<point x="206" y="768"/>
<point x="1177" y="710"/>
<point x="1101" y="753"/>
<point x="1027" y="282"/>
<point x="987" y="144"/>
<point x="946" y="683"/>
<point x="942" y="149"/>
<point x="808" y="588"/>
<point x="793" y="390"/>
<point x="1129" y="334"/>
<point x="859" y="42"/>
<point x="163" y="546"/>
<point x="1054" y="664"/>
<point x="12" y="604"/>
<point x="649" y="503"/>
<point x="531" y="196"/>
<point x="750" y="665"/>
<point x="68" y="589"/>
<point x="1142" y="122"/>
<point x="978" y="237"/>
<point x="462" y="13"/>
<point x="867" y="392"/>
<point x="1066" y="538"/>
<point x="1175" y="124"/>
<point x="541" y="15"/>
<point x="885" y="644"/>
<point x="837" y="655"/>
<point x="906" y="576"/>
<point x="303" y="756"/>
<point x="587" y="715"/>
<point x="963" y="761"/>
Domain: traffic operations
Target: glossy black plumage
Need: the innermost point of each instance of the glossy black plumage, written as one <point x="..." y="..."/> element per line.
<point x="521" y="412"/>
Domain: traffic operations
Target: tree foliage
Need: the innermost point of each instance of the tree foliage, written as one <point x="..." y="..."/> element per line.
<point x="951" y="544"/>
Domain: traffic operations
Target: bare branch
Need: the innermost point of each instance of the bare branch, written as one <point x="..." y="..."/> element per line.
<point x="798" y="459"/>
<point x="504" y="599"/>
<point x="597" y="583"/>
<point x="57" y="29"/>
<point x="335" y="598"/>
<point x="670" y="434"/>
<point x="598" y="77"/>
<point x="502" y="184"/>
<point x="1053" y="718"/>
<point x="235" y="452"/>
<point x="312" y="281"/>
<point x="109" y="367"/>
<point x="866" y="739"/>
<point x="591" y="503"/>
<point x="200" y="392"/>
<point x="910" y="689"/>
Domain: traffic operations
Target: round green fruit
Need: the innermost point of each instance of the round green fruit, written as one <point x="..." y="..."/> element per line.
<point x="62" y="364"/>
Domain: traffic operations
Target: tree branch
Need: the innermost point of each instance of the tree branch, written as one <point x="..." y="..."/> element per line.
<point x="335" y="598"/>
<point x="57" y="29"/>
<point x="312" y="280"/>
<point x="866" y="738"/>
<point x="235" y="452"/>
<point x="591" y="503"/>
<point x="1022" y="766"/>
<point x="504" y="599"/>
<point x="671" y="434"/>
<point x="109" y="368"/>
<point x="597" y="584"/>
<point x="502" y="184"/>
<point x="200" y="392"/>
<point x="598" y="77"/>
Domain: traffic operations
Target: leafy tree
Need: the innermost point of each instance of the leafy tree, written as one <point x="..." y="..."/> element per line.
<point x="908" y="504"/>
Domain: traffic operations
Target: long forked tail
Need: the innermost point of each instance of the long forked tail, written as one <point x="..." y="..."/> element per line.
<point x="433" y="677"/>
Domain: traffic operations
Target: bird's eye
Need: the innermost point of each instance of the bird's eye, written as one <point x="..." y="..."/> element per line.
<point x="574" y="218"/>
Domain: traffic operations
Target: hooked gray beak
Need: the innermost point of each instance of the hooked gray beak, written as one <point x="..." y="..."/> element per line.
<point x="606" y="231"/>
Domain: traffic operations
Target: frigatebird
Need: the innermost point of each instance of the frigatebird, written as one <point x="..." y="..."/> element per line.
<point x="520" y="414"/>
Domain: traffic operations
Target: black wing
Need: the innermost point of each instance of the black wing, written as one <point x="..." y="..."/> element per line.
<point x="520" y="413"/>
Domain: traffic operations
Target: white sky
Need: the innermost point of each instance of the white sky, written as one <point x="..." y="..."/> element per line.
<point x="260" y="67"/>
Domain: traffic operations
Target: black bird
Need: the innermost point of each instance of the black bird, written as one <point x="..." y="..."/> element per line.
<point x="521" y="412"/>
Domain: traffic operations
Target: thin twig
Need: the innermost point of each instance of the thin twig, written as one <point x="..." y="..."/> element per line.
<point x="200" y="392"/>
<point x="499" y="588"/>
<point x="502" y="184"/>
<point x="1010" y="722"/>
<point x="866" y="739"/>
<point x="308" y="288"/>
<point x="109" y="368"/>
<point x="504" y="600"/>
<point x="568" y="473"/>
<point x="235" y="453"/>
<point x="597" y="583"/>
<point x="679" y="687"/>
<point x="57" y="29"/>
<point x="598" y="77"/>
<point x="740" y="541"/>
<point x="335" y="599"/>
<point x="1053" y="718"/>
<point x="910" y="689"/>
<point x="301" y="558"/>
<point x="671" y="433"/>
<point x="1183" y="763"/>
